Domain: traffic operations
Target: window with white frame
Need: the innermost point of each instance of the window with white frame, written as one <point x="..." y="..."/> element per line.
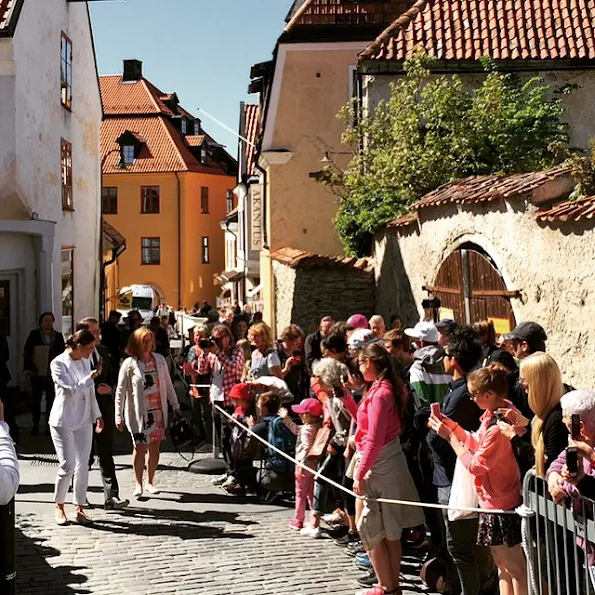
<point x="66" y="71"/>
<point x="205" y="250"/>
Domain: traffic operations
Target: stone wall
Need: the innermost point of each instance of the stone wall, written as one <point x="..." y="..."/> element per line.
<point x="551" y="264"/>
<point x="304" y="294"/>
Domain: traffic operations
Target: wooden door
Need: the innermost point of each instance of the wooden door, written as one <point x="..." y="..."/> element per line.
<point x="471" y="286"/>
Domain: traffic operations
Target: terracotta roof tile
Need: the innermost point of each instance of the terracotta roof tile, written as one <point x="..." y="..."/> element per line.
<point x="165" y="150"/>
<point x="252" y="119"/>
<point x="195" y="141"/>
<point x="502" y="29"/>
<point x="573" y="210"/>
<point x="302" y="259"/>
<point x="403" y="220"/>
<point x="477" y="189"/>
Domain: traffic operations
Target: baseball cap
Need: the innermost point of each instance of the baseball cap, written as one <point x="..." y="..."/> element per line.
<point x="311" y="406"/>
<point x="530" y="332"/>
<point x="424" y="331"/>
<point x="360" y="337"/>
<point x="240" y="391"/>
<point x="446" y="325"/>
<point x="358" y="321"/>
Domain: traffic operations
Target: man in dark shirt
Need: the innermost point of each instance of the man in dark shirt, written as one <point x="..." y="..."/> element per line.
<point x="462" y="353"/>
<point x="526" y="338"/>
<point x="312" y="347"/>
<point x="110" y="338"/>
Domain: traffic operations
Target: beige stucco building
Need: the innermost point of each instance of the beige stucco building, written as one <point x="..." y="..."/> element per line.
<point x="311" y="76"/>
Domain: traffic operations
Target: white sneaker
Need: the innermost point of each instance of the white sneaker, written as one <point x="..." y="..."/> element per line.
<point x="230" y="482"/>
<point x="313" y="532"/>
<point x="217" y="481"/>
<point x="334" y="518"/>
<point x="151" y="489"/>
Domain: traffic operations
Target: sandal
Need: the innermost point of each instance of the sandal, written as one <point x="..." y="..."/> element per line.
<point x="61" y="519"/>
<point x="83" y="519"/>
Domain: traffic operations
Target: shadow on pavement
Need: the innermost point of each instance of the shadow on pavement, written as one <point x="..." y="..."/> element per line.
<point x="186" y="516"/>
<point x="34" y="570"/>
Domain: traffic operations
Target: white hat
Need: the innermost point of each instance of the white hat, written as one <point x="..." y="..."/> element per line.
<point x="360" y="337"/>
<point x="424" y="331"/>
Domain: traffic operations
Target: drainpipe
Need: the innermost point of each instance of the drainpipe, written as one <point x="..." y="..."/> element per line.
<point x="179" y="246"/>
<point x="265" y="241"/>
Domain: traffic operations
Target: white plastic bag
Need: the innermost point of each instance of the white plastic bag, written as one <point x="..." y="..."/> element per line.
<point x="462" y="494"/>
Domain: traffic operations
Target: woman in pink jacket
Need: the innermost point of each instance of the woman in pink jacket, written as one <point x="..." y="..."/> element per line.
<point x="380" y="469"/>
<point x="488" y="455"/>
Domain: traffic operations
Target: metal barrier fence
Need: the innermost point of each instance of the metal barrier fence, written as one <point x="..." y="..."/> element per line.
<point x="558" y="540"/>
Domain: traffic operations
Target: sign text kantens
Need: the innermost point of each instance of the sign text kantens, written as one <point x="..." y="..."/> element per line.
<point x="256" y="231"/>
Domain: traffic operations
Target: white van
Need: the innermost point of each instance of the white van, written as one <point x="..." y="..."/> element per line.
<point x="143" y="298"/>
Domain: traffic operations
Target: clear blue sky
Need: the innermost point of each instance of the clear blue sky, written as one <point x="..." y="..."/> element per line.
<point x="201" y="49"/>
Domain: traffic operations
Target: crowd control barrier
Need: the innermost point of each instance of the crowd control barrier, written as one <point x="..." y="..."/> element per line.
<point x="558" y="540"/>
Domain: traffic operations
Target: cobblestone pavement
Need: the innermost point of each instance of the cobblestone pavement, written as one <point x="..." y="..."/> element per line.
<point x="192" y="538"/>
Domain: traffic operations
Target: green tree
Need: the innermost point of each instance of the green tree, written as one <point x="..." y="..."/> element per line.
<point x="434" y="129"/>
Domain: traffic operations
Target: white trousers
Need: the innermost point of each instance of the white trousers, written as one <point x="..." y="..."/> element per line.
<point x="73" y="448"/>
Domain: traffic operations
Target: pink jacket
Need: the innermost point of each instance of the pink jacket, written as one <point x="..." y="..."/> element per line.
<point x="306" y="434"/>
<point x="377" y="425"/>
<point x="491" y="460"/>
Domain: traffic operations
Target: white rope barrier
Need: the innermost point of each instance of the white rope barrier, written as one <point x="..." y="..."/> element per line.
<point x="350" y="492"/>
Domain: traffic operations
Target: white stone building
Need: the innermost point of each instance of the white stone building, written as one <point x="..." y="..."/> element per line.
<point x="50" y="117"/>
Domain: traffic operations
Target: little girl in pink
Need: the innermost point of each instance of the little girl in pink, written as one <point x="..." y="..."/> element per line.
<point x="310" y="412"/>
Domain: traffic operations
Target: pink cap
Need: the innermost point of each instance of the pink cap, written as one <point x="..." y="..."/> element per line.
<point x="311" y="406"/>
<point x="358" y="321"/>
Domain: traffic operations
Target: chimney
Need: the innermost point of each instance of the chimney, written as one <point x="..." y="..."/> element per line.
<point x="133" y="71"/>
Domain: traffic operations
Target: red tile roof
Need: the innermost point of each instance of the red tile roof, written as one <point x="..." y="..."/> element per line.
<point x="5" y="7"/>
<point x="488" y="188"/>
<point x="404" y="220"/>
<point x="138" y="107"/>
<point x="165" y="151"/>
<point x="252" y="130"/>
<point x="302" y="259"/>
<point x="195" y="141"/>
<point x="573" y="210"/>
<point x="502" y="29"/>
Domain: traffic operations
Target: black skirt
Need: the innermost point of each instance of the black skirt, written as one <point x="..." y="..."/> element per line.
<point x="499" y="529"/>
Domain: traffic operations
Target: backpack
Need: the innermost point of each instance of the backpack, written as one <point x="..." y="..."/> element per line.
<point x="281" y="437"/>
<point x="523" y="451"/>
<point x="241" y="444"/>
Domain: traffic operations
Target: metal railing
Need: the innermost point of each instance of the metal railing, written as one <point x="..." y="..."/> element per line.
<point x="558" y="540"/>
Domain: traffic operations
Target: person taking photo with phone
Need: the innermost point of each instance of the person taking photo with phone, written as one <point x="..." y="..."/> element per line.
<point x="71" y="421"/>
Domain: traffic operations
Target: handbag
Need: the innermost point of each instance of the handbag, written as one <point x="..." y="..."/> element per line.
<point x="216" y="391"/>
<point x="321" y="441"/>
<point x="462" y="494"/>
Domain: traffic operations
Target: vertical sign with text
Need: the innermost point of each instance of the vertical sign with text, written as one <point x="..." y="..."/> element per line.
<point x="256" y="191"/>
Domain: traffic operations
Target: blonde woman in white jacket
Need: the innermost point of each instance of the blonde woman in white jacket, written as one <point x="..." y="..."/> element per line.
<point x="143" y="392"/>
<point x="74" y="411"/>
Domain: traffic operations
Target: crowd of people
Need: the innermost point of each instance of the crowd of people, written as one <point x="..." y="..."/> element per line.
<point x="433" y="414"/>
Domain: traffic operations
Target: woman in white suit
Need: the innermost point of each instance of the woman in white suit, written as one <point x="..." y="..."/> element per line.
<point x="143" y="392"/>
<point x="74" y="411"/>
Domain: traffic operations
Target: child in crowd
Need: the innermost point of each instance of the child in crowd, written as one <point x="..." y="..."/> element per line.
<point x="310" y="412"/>
<point x="244" y="345"/>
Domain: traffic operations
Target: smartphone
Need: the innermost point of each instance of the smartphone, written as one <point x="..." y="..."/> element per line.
<point x="572" y="461"/>
<point x="575" y="426"/>
<point x="500" y="417"/>
<point x="435" y="409"/>
<point x="297" y="355"/>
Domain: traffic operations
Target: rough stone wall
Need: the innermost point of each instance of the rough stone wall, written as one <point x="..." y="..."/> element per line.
<point x="303" y="295"/>
<point x="550" y="264"/>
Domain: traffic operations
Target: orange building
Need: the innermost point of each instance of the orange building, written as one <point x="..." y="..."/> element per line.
<point x="166" y="187"/>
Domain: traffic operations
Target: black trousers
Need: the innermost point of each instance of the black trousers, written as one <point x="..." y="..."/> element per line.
<point x="201" y="417"/>
<point x="39" y="384"/>
<point x="103" y="447"/>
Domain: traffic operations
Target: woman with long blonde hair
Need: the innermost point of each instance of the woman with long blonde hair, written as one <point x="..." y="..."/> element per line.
<point x="541" y="377"/>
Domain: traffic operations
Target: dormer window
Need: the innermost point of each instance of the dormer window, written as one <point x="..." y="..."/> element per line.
<point x="203" y="153"/>
<point x="131" y="145"/>
<point x="184" y="126"/>
<point x="128" y="154"/>
<point x="196" y="127"/>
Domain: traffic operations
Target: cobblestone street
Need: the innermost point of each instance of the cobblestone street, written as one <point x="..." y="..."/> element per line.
<point x="192" y="538"/>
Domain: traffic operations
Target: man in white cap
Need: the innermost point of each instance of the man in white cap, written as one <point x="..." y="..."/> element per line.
<point x="426" y="375"/>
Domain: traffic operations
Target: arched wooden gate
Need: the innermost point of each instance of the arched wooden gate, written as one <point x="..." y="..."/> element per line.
<point x="469" y="284"/>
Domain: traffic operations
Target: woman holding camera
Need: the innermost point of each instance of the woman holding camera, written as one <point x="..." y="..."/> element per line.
<point x="143" y="392"/>
<point x="73" y="414"/>
<point x="292" y="360"/>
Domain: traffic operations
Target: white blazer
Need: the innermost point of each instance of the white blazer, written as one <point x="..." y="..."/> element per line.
<point x="130" y="393"/>
<point x="75" y="404"/>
